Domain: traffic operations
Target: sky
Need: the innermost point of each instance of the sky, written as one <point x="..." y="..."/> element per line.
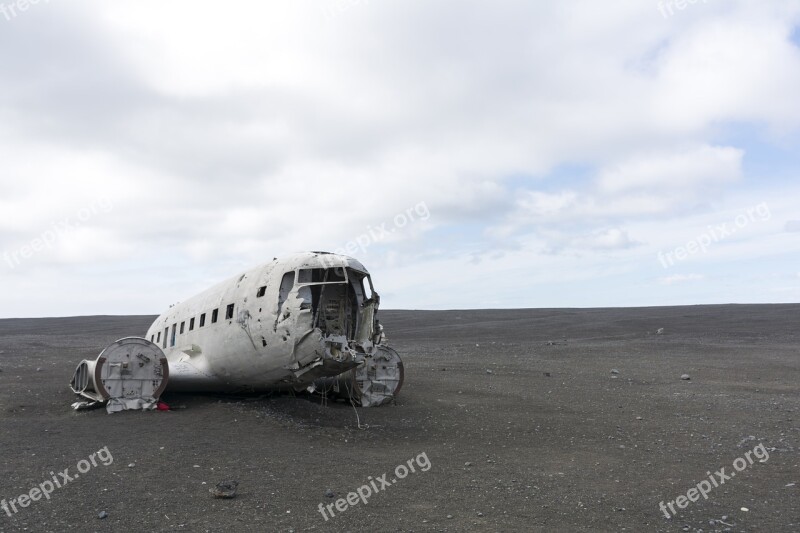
<point x="472" y="154"/>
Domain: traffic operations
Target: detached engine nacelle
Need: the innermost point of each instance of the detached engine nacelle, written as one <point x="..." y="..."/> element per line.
<point x="129" y="374"/>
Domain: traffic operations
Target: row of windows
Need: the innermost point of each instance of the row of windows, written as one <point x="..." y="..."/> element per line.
<point x="173" y="337"/>
<point x="214" y="316"/>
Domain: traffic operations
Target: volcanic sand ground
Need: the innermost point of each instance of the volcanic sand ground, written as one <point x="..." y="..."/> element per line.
<point x="523" y="423"/>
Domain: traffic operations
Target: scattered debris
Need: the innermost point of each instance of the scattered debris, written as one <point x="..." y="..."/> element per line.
<point x="790" y="485"/>
<point x="161" y="406"/>
<point x="686" y="377"/>
<point x="103" y="515"/>
<point x="225" y="490"/>
<point x="660" y="331"/>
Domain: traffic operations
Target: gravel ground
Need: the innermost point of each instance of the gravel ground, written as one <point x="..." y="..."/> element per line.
<point x="514" y="420"/>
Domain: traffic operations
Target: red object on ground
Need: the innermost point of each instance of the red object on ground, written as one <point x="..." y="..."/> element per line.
<point x="162" y="406"/>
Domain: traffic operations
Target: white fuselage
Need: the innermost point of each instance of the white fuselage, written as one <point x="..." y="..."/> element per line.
<point x="290" y="321"/>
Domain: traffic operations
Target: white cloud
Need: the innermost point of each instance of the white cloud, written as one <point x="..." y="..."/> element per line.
<point x="690" y="169"/>
<point x="680" y="278"/>
<point x="227" y="134"/>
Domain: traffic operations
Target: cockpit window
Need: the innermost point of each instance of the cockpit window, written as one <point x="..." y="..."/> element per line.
<point x="366" y="287"/>
<point x="318" y="276"/>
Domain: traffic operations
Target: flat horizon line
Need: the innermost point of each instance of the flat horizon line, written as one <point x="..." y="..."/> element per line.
<point x="456" y="309"/>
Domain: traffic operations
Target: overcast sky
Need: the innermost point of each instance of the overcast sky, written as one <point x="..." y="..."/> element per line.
<point x="470" y="154"/>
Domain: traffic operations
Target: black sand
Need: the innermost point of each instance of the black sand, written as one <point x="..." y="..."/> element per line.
<point x="524" y="425"/>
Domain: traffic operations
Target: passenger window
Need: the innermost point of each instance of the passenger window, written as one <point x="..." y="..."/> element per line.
<point x="214" y="316"/>
<point x="183" y="324"/>
<point x="172" y="339"/>
<point x="229" y="312"/>
<point x="202" y="320"/>
<point x="191" y="324"/>
<point x="166" y="334"/>
<point x="261" y="291"/>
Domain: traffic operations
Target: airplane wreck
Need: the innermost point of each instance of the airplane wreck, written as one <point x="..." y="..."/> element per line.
<point x="307" y="322"/>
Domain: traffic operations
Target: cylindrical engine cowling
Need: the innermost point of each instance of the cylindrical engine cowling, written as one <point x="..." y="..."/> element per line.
<point x="128" y="369"/>
<point x="375" y="382"/>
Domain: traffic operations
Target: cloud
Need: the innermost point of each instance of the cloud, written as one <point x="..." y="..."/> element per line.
<point x="229" y="135"/>
<point x="692" y="169"/>
<point x="680" y="278"/>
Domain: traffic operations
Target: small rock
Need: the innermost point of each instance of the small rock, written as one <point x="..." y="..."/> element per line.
<point x="38" y="369"/>
<point x="131" y="465"/>
<point x="467" y="464"/>
<point x="480" y="514"/>
<point x="547" y="374"/>
<point x="330" y="494"/>
<point x="790" y="485"/>
<point x="660" y="331"/>
<point x="686" y="377"/>
<point x="103" y="515"/>
<point x="638" y="418"/>
<point x="444" y="369"/>
<point x="449" y="517"/>
<point x="745" y="509"/>
<point x="614" y="371"/>
<point x="489" y="371"/>
<point x="225" y="490"/>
